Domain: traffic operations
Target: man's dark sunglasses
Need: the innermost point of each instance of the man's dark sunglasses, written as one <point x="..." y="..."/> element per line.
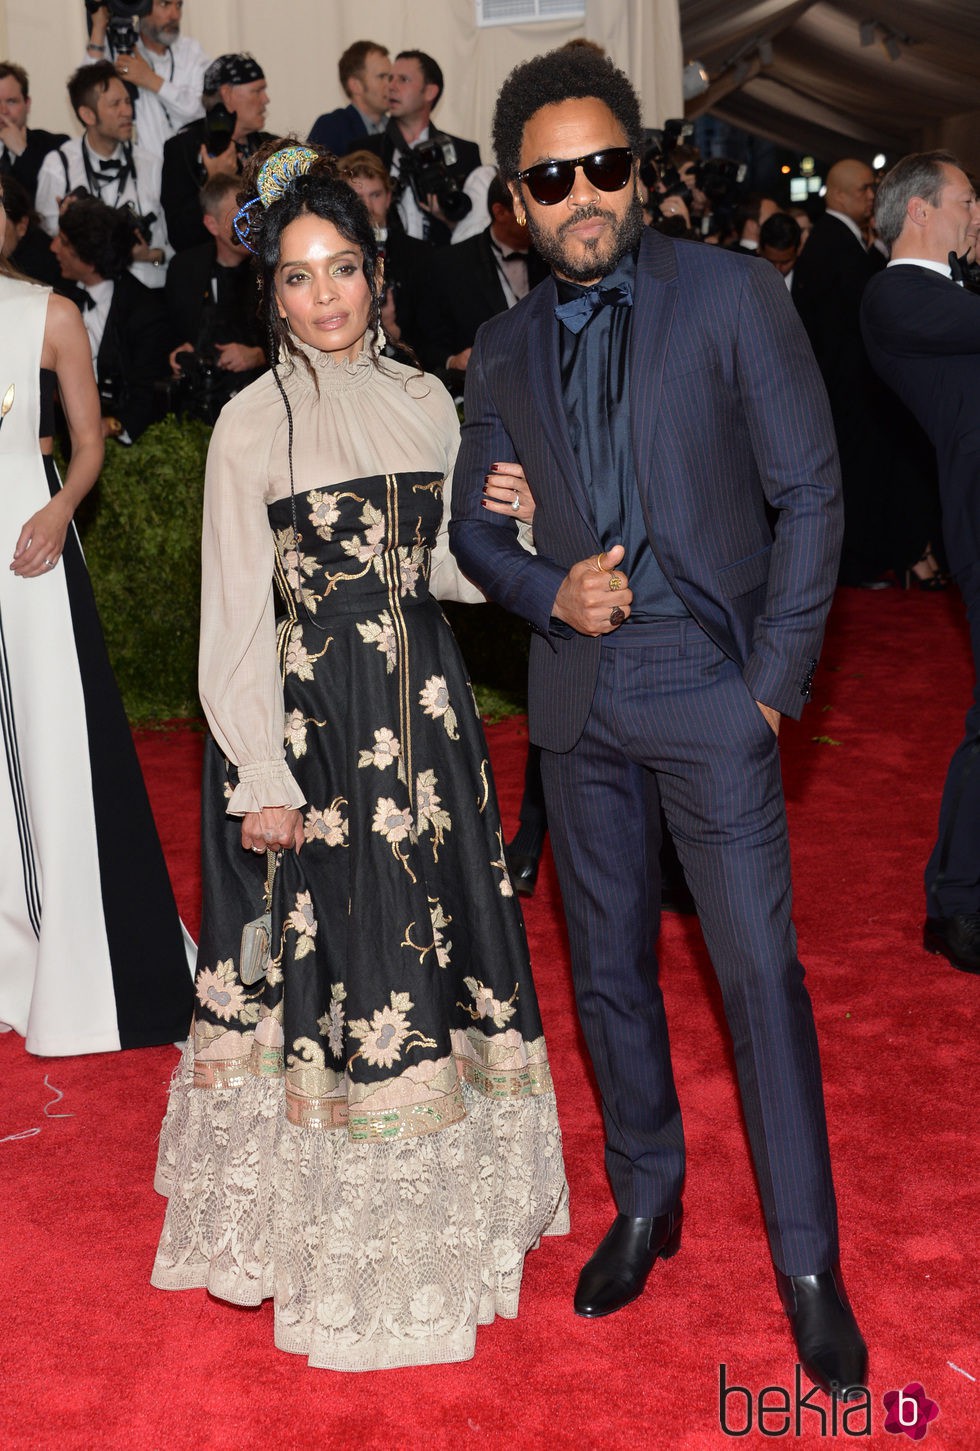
<point x="551" y="181"/>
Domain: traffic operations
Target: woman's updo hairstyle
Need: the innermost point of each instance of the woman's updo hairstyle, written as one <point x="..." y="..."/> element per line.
<point x="284" y="180"/>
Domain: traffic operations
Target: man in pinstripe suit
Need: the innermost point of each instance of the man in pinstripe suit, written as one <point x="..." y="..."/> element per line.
<point x="664" y="404"/>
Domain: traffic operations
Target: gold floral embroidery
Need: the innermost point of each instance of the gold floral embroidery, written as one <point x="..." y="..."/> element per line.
<point x="387" y="1034"/>
<point x="395" y="824"/>
<point x="434" y="700"/>
<point x="295" y="731"/>
<point x="440" y="921"/>
<point x="219" y="990"/>
<point x="323" y="513"/>
<point x="296" y="566"/>
<point x="381" y="632"/>
<point x="299" y="660"/>
<point x="437" y="920"/>
<point x="430" y="813"/>
<point x="303" y="923"/>
<point x="327" y="824"/>
<point x="487" y="1006"/>
<point x="385" y="752"/>
<point x="504" y="886"/>
<point x="331" y="1023"/>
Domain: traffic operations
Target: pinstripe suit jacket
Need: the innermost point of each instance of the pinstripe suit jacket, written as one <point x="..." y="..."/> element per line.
<point x="728" y="414"/>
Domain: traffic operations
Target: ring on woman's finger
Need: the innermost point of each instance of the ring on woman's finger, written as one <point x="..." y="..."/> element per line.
<point x="49" y="563"/>
<point x="516" y="503"/>
<point x="258" y="848"/>
<point x="616" y="616"/>
<point x="615" y="581"/>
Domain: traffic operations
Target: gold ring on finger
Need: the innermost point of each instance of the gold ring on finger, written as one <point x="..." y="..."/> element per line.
<point x="597" y="564"/>
<point x="615" y="581"/>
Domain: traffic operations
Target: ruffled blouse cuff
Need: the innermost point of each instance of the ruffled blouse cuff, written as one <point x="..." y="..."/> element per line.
<point x="265" y="783"/>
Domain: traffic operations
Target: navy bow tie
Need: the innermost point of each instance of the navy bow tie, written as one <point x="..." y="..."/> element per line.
<point x="576" y="313"/>
<point x="958" y="266"/>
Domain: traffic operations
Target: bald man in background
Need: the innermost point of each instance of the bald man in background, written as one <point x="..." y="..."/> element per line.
<point x="828" y="282"/>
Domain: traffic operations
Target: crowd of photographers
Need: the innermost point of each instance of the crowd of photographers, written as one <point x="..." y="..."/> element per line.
<point x="133" y="218"/>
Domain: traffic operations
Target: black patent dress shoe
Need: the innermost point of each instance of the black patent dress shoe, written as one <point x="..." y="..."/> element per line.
<point x="523" y="871"/>
<point x="829" y="1344"/>
<point x="955" y="938"/>
<point x="617" y="1272"/>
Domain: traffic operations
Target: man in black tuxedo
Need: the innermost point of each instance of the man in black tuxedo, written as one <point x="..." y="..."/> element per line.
<point x="213" y="309"/>
<point x="236" y="83"/>
<point x="22" y="147"/>
<point x="365" y="73"/>
<point x="126" y="322"/>
<point x="828" y="282"/>
<point x="923" y="336"/>
<point x="406" y="275"/>
<point x="413" y="93"/>
<point x="472" y="281"/>
<point x="662" y="399"/>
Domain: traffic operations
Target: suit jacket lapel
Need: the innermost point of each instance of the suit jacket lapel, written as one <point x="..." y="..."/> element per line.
<point x="653" y="315"/>
<point x="544" y="381"/>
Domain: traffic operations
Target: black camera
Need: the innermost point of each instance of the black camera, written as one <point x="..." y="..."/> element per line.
<point x="201" y="390"/>
<point x="123" y="32"/>
<point x="141" y="222"/>
<point x="426" y="170"/>
<point x="721" y="180"/>
<point x="219" y="128"/>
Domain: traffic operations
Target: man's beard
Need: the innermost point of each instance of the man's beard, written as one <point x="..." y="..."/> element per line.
<point x="600" y="257"/>
<point x="165" y="35"/>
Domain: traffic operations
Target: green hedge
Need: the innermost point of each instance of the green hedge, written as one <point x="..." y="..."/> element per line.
<point x="141" y="531"/>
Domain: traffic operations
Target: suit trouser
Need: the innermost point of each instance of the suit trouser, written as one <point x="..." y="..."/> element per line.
<point x="953" y="872"/>
<point x="673" y="721"/>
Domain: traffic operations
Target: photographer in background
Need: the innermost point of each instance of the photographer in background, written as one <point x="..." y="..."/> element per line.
<point x="780" y="240"/>
<point x="473" y="281"/>
<point x="427" y="166"/>
<point x="365" y="72"/>
<point x="212" y="309"/>
<point x="22" y="149"/>
<point x="406" y="259"/>
<point x="125" y="321"/>
<point x="105" y="164"/>
<point x="235" y="102"/>
<point x="166" y="68"/>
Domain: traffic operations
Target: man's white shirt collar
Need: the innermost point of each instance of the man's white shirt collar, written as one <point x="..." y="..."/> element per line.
<point x="849" y="223"/>
<point x="942" y="268"/>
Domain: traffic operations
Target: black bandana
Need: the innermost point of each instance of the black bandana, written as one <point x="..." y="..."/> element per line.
<point x="232" y="70"/>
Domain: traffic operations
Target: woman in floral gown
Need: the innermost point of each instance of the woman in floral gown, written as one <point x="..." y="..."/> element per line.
<point x="367" y="1133"/>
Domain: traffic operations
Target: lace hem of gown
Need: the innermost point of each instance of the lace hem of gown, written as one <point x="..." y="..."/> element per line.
<point x="376" y="1255"/>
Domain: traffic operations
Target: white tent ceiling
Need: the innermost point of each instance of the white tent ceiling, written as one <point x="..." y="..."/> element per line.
<point x="823" y="91"/>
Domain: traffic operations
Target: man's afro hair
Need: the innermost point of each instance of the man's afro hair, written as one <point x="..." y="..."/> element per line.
<point x="570" y="73"/>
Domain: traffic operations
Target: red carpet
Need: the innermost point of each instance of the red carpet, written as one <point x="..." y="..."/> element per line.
<point x="92" y="1357"/>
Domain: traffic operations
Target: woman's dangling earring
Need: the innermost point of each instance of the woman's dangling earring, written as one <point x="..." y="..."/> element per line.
<point x="380" y="341"/>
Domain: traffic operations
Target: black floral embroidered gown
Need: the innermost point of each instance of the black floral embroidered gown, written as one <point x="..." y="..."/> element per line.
<point x="368" y="1134"/>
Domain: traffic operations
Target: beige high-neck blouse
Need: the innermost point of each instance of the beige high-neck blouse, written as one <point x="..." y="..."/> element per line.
<point x="356" y="421"/>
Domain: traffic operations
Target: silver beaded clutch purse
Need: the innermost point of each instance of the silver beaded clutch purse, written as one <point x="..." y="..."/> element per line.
<point x="253" y="956"/>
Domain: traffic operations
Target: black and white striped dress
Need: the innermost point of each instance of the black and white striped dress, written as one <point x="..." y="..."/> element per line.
<point x="93" y="956"/>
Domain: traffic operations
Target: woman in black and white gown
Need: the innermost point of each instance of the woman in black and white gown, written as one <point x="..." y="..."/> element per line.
<point x="93" y="956"/>
<point x="365" y="1129"/>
